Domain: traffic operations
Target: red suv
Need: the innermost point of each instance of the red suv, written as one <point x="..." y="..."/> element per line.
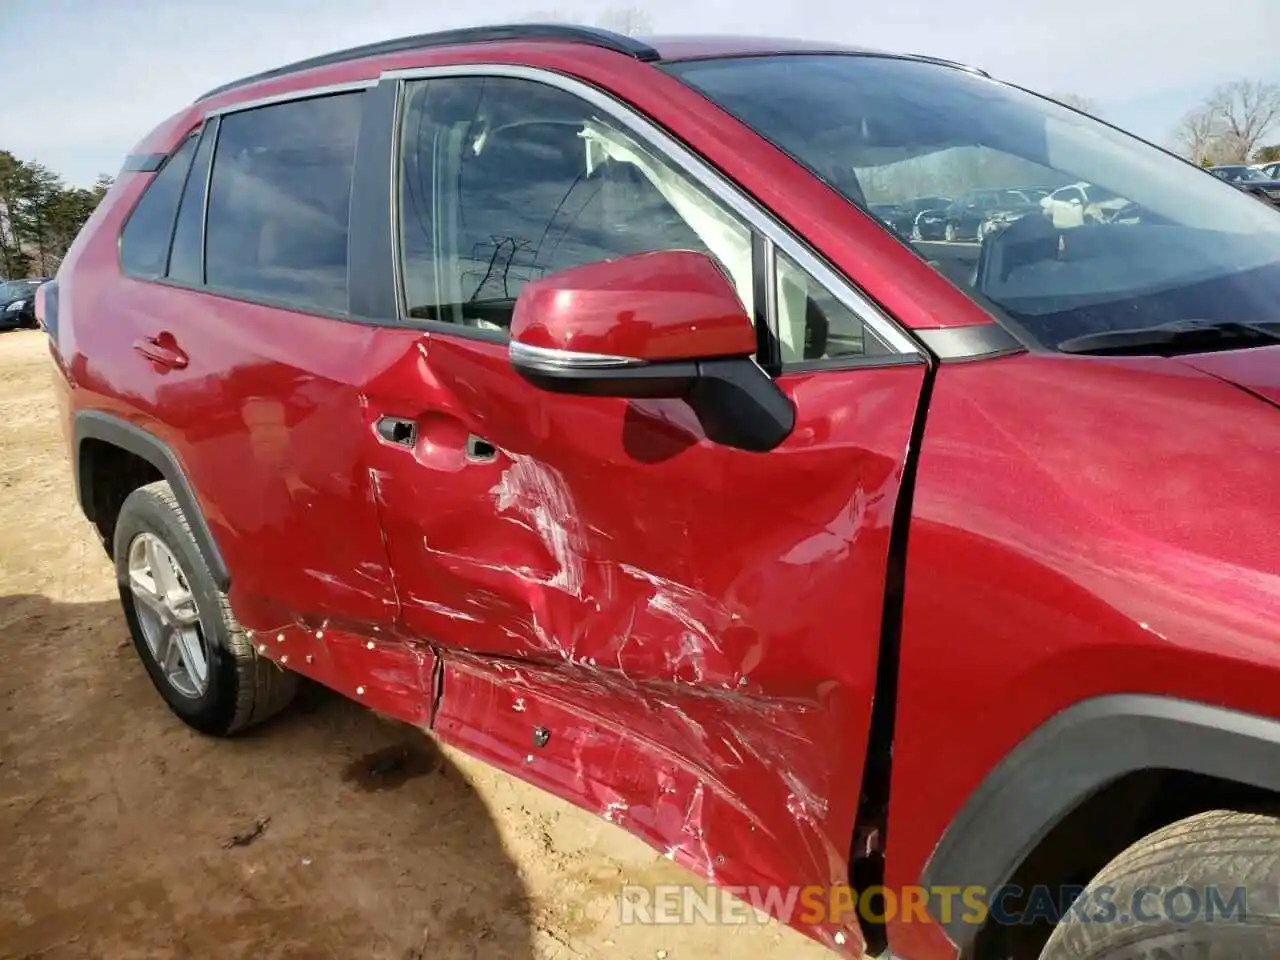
<point x="557" y="392"/>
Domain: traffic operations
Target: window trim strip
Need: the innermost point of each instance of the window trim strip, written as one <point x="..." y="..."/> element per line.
<point x="192" y="135"/>
<point x="216" y="134"/>
<point x="144" y="162"/>
<point x="209" y="130"/>
<point x="728" y="193"/>
<point x="310" y="93"/>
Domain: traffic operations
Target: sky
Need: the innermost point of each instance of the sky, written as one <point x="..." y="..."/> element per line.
<point x="85" y="80"/>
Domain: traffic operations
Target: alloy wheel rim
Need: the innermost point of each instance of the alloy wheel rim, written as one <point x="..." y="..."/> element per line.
<point x="168" y="615"/>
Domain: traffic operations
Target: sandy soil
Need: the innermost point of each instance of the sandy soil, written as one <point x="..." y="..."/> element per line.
<point x="115" y="818"/>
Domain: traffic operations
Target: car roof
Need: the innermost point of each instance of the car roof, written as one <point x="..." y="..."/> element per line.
<point x="646" y="49"/>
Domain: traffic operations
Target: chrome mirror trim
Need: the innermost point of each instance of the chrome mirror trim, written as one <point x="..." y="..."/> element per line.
<point x="553" y="359"/>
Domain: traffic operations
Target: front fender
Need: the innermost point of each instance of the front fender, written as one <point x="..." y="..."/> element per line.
<point x="1075" y="754"/>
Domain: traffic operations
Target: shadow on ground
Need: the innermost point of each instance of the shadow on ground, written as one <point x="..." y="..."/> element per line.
<point x="327" y="833"/>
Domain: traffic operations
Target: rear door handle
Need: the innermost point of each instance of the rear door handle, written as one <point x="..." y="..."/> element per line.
<point x="162" y="350"/>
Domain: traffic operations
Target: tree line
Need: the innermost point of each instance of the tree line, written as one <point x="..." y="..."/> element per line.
<point x="39" y="216"/>
<point x="1235" y="123"/>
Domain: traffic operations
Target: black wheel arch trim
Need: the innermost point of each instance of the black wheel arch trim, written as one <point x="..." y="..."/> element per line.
<point x="1071" y="757"/>
<point x="96" y="425"/>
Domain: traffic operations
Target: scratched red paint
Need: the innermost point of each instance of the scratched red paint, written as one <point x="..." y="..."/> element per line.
<point x="709" y="693"/>
<point x="701" y="686"/>
<point x="696" y="627"/>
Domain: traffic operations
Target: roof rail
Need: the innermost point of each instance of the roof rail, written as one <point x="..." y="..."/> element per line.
<point x="592" y="36"/>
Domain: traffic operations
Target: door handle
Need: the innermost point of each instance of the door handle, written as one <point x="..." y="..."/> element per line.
<point x="403" y="432"/>
<point x="161" y="350"/>
<point x="398" y="430"/>
<point x="480" y="450"/>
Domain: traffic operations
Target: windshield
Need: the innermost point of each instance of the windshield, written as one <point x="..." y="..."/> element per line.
<point x="1170" y="243"/>
<point x="1238" y="173"/>
<point x="16" y="288"/>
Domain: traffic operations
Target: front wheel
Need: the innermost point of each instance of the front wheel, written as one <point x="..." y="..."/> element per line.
<point x="950" y="233"/>
<point x="1203" y="888"/>
<point x="198" y="657"/>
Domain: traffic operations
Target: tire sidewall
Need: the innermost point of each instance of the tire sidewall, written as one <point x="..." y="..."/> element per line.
<point x="1246" y="941"/>
<point x="146" y="512"/>
<point x="1216" y="848"/>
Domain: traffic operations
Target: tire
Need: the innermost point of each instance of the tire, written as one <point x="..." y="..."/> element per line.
<point x="949" y="233"/>
<point x="1223" y="849"/>
<point x="240" y="689"/>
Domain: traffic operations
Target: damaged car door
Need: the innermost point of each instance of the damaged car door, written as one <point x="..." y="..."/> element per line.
<point x="674" y="632"/>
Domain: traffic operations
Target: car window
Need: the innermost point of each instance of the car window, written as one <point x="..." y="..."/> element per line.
<point x="144" y="245"/>
<point x="16" y="288"/>
<point x="504" y="181"/>
<point x="279" y="202"/>
<point x="1237" y="174"/>
<point x="813" y="324"/>
<point x="1170" y="243"/>
<point x="186" y="257"/>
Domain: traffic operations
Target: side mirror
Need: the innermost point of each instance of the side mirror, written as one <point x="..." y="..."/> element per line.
<point x="652" y="325"/>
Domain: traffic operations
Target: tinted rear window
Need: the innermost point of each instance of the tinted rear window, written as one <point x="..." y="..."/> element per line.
<point x="186" y="258"/>
<point x="144" y="246"/>
<point x="279" y="202"/>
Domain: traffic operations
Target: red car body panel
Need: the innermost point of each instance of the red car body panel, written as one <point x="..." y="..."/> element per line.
<point x="680" y="675"/>
<point x="693" y="666"/>
<point x="679" y="305"/>
<point x="730" y="731"/>
<point x="1256" y="370"/>
<point x="1084" y="526"/>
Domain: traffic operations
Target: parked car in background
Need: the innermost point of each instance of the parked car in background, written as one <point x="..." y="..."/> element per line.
<point x="1270" y="170"/>
<point x="1250" y="180"/>
<point x="975" y="213"/>
<point x="558" y="393"/>
<point x="928" y="217"/>
<point x="17" y="302"/>
<point x="999" y="219"/>
<point x="1080" y="203"/>
<point x="931" y="222"/>
<point x="903" y="216"/>
<point x="919" y="204"/>
<point x="898" y="217"/>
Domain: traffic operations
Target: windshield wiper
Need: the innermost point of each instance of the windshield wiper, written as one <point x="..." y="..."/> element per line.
<point x="1178" y="336"/>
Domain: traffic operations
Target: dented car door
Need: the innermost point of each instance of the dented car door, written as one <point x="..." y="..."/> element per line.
<point x="679" y="635"/>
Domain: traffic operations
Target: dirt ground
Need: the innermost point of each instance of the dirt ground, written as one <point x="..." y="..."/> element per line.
<point x="360" y="838"/>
